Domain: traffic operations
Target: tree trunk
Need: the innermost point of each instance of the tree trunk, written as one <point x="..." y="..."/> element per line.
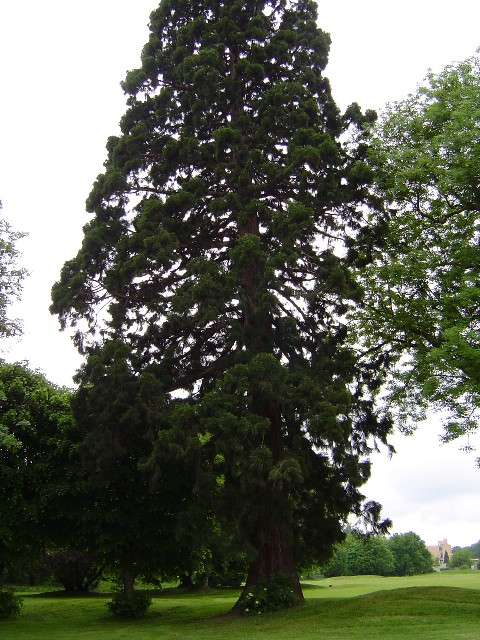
<point x="272" y="538"/>
<point x="274" y="557"/>
<point x="186" y="581"/>
<point x="128" y="578"/>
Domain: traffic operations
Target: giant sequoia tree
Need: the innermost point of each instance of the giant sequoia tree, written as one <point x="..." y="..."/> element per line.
<point x="212" y="253"/>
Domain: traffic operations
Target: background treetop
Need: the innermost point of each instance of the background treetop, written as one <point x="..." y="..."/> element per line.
<point x="11" y="278"/>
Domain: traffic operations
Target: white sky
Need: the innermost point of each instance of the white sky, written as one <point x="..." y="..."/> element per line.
<point x="61" y="62"/>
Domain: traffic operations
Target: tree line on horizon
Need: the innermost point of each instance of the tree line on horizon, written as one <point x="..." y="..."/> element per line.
<point x="399" y="555"/>
<point x="265" y="287"/>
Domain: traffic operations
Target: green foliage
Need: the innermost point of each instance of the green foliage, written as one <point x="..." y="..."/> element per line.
<point x="400" y="555"/>
<point x="131" y="522"/>
<point x="35" y="483"/>
<point x="229" y="573"/>
<point x="75" y="570"/>
<point x="270" y="595"/>
<point x="422" y="283"/>
<point x="371" y="555"/>
<point x="10" y="604"/>
<point x="11" y="279"/>
<point x="135" y="607"/>
<point x="475" y="549"/>
<point x="215" y="293"/>
<point x="461" y="559"/>
<point x="361" y="555"/>
<point x="411" y="557"/>
<point x="27" y="572"/>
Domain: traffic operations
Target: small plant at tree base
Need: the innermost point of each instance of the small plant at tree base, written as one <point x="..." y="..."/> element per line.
<point x="272" y="594"/>
<point x="10" y="604"/>
<point x="135" y="607"/>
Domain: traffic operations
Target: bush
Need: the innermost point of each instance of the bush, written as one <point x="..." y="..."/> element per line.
<point x="10" y="604"/>
<point x="135" y="607"/>
<point x="272" y="594"/>
<point x="75" y="570"/>
<point x="461" y="559"/>
<point x="27" y="573"/>
<point x="230" y="574"/>
<point x="313" y="572"/>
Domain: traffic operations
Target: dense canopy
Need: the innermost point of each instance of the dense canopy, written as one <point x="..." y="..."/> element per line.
<point x="214" y="253"/>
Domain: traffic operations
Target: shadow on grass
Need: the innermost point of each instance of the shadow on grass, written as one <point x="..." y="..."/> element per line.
<point x="306" y="586"/>
<point x="66" y="594"/>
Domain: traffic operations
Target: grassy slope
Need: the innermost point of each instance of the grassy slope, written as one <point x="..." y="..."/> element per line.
<point x="359" y="585"/>
<point x="352" y="609"/>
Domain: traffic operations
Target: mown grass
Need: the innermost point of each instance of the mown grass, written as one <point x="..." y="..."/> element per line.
<point x="435" y="607"/>
<point x="359" y="585"/>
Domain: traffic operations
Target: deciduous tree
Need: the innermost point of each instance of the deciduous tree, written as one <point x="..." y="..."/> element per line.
<point x="35" y="490"/>
<point x="215" y="253"/>
<point x="475" y="549"/>
<point x="423" y="284"/>
<point x="11" y="278"/>
<point x="461" y="559"/>
<point x="361" y="555"/>
<point x="411" y="556"/>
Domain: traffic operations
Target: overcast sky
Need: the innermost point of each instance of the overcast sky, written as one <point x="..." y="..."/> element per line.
<point x="61" y="63"/>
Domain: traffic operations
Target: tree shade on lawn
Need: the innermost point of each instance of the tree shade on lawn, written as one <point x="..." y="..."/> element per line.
<point x="211" y="255"/>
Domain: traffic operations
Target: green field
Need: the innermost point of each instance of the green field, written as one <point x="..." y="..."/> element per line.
<point x="442" y="606"/>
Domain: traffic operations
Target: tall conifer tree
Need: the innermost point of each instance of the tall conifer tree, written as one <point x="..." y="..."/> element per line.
<point x="213" y="245"/>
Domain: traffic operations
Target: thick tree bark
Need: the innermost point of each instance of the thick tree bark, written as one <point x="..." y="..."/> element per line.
<point x="274" y="557"/>
<point x="272" y="539"/>
<point x="128" y="578"/>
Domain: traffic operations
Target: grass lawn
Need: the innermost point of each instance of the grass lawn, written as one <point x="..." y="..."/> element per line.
<point x="434" y="607"/>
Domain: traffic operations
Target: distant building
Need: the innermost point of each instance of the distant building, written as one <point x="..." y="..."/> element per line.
<point x="441" y="551"/>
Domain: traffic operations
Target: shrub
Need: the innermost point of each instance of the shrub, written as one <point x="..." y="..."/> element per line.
<point x="10" y="604"/>
<point x="229" y="574"/>
<point x="272" y="594"/>
<point x="75" y="570"/>
<point x="313" y="572"/>
<point x="27" y="572"/>
<point x="135" y="607"/>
